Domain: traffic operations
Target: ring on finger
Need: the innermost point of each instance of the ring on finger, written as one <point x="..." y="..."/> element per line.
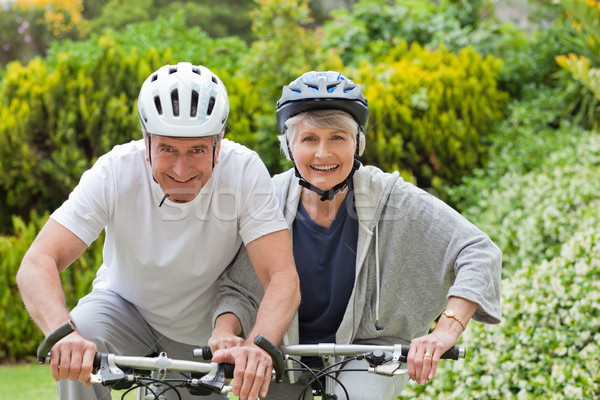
<point x="428" y="355"/>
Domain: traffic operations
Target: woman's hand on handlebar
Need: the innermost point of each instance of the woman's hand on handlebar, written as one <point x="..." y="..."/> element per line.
<point x="72" y="358"/>
<point x="425" y="353"/>
<point x="226" y="333"/>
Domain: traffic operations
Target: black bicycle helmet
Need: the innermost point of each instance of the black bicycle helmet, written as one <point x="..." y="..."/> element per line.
<point x="322" y="91"/>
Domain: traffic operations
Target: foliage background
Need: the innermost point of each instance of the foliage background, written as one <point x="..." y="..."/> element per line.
<point x="499" y="120"/>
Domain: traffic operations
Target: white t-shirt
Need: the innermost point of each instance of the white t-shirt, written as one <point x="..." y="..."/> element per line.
<point x="166" y="260"/>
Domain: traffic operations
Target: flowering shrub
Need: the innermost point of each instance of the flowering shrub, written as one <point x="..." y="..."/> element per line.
<point x="547" y="346"/>
<point x="582" y="65"/>
<point x="59" y="16"/>
<point x="539" y="201"/>
<point x="531" y="213"/>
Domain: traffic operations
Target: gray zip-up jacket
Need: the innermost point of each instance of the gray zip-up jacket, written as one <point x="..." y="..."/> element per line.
<point x="413" y="252"/>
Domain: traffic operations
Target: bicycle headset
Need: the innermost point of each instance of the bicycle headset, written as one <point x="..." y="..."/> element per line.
<point x="183" y="101"/>
<point x="323" y="91"/>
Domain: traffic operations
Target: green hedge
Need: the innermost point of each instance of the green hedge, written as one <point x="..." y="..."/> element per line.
<point x="537" y="187"/>
<point x="19" y="336"/>
<point x="538" y="200"/>
<point x="57" y="122"/>
<point x="430" y="109"/>
<point x="547" y="346"/>
<point x="430" y="112"/>
<point x="59" y="114"/>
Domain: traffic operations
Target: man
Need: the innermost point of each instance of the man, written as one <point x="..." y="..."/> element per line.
<point x="176" y="207"/>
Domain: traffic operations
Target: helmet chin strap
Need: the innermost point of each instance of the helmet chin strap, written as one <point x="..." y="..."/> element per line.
<point x="328" y="194"/>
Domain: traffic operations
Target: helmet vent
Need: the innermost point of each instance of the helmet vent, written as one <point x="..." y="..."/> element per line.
<point x="175" y="102"/>
<point x="211" y="105"/>
<point x="172" y="70"/>
<point x="331" y="88"/>
<point x="196" y="71"/>
<point x="214" y="79"/>
<point x="158" y="105"/>
<point x="194" y="108"/>
<point x="154" y="77"/>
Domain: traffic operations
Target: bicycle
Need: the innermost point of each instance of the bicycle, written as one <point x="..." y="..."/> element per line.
<point x="146" y="375"/>
<point x="381" y="359"/>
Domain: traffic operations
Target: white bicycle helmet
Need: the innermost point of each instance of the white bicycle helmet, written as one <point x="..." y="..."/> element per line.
<point x="183" y="100"/>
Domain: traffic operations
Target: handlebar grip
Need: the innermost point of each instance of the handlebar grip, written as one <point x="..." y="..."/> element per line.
<point x="454" y="353"/>
<point x="228" y="368"/>
<point x="52" y="338"/>
<point x="275" y="353"/>
<point x="206" y="353"/>
<point x="97" y="360"/>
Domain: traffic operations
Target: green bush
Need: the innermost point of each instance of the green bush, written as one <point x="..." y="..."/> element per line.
<point x="538" y="201"/>
<point x="430" y="112"/>
<point x="166" y="36"/>
<point x="57" y="122"/>
<point x="581" y="72"/>
<point x="368" y="32"/>
<point x="372" y="28"/>
<point x="285" y="48"/>
<point x="548" y="342"/>
<point x="536" y="189"/>
<point x="60" y="114"/>
<point x="527" y="57"/>
<point x="19" y="336"/>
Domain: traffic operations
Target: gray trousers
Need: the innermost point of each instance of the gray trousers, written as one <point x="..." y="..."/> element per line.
<point x="115" y="326"/>
<point x="360" y="385"/>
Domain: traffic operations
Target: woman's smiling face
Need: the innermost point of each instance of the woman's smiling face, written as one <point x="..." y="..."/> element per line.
<point x="182" y="166"/>
<point x="324" y="157"/>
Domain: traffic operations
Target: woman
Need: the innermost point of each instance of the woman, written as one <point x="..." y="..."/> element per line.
<point x="378" y="259"/>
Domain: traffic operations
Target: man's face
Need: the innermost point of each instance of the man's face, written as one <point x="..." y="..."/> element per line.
<point x="182" y="166"/>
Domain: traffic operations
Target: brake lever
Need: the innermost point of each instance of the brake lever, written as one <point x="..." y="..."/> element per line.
<point x="108" y="373"/>
<point x="386" y="363"/>
<point x="216" y="377"/>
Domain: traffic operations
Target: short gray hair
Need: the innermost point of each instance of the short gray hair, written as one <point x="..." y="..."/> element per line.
<point x="329" y="119"/>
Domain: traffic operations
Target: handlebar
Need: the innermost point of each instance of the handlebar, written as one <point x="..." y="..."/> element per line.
<point x="382" y="359"/>
<point x="110" y="367"/>
<point x="52" y="338"/>
<point x="376" y="355"/>
<point x="330" y="349"/>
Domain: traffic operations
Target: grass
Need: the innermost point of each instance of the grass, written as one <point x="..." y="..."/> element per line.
<point x="26" y="382"/>
<point x="33" y="382"/>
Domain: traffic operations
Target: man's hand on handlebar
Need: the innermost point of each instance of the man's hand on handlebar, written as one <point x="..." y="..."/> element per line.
<point x="253" y="366"/>
<point x="72" y="358"/>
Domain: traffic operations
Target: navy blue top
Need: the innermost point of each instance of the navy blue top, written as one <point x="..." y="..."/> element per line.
<point x="326" y="263"/>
